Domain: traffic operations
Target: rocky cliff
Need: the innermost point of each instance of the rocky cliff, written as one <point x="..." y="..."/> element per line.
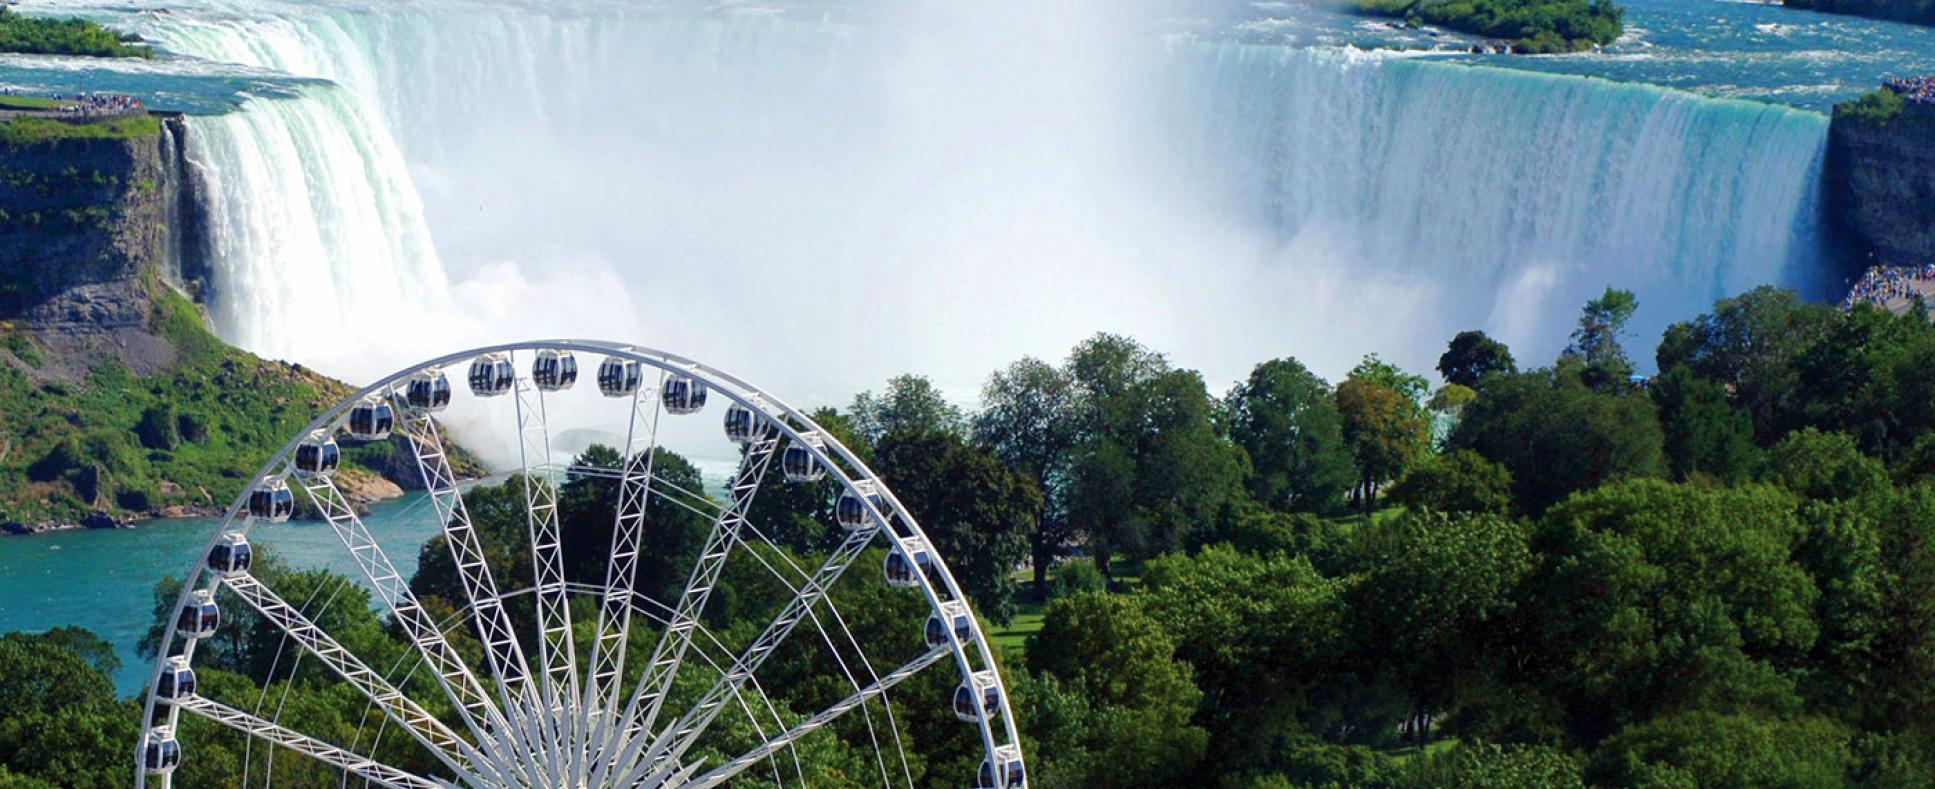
<point x="90" y="229"/>
<point x="1921" y="12"/>
<point x="1881" y="182"/>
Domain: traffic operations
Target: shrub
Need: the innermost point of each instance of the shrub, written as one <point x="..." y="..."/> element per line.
<point x="1076" y="576"/>
<point x="1876" y="107"/>
<point x="158" y="428"/>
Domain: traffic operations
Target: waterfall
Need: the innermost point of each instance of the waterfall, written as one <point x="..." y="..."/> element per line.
<point x="943" y="191"/>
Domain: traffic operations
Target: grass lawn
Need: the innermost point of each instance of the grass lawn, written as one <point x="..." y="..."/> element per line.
<point x="26" y="103"/>
<point x="27" y="131"/>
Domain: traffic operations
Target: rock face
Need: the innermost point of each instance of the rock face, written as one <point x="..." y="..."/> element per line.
<point x="88" y="229"/>
<point x="1921" y="12"/>
<point x="1881" y="184"/>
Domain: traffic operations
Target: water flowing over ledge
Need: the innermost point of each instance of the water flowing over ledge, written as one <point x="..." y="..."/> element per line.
<point x="1226" y="202"/>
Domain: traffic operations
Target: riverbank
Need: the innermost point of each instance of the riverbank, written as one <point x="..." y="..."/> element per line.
<point x="1919" y="12"/>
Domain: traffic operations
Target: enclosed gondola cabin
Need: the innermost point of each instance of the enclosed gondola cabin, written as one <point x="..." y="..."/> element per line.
<point x="851" y="509"/>
<point x="936" y="633"/>
<point x="1012" y="775"/>
<point x="199" y="617"/>
<point x="231" y="555"/>
<point x="745" y="425"/>
<point x="161" y="753"/>
<point x="177" y="680"/>
<point x="798" y="462"/>
<point x="271" y="501"/>
<point x="428" y="391"/>
<point x="554" y="370"/>
<point x="899" y="572"/>
<point x="620" y="377"/>
<point x="371" y="420"/>
<point x="318" y="456"/>
<point x="990" y="697"/>
<point x="683" y="395"/>
<point x="492" y="375"/>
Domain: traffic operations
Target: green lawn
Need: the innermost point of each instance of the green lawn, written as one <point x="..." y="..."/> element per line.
<point x="26" y="103"/>
<point x="27" y="131"/>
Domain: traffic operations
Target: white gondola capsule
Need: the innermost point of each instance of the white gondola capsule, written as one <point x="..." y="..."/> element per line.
<point x="936" y="634"/>
<point x="850" y="511"/>
<point x="371" y="420"/>
<point x="428" y="390"/>
<point x="177" y="680"/>
<point x="745" y="424"/>
<point x="200" y="616"/>
<point x="161" y="752"/>
<point x="798" y="461"/>
<point x="1013" y="774"/>
<point x="900" y="572"/>
<point x="683" y="395"/>
<point x="271" y="501"/>
<point x="318" y="455"/>
<point x="554" y="370"/>
<point x="492" y="375"/>
<point x="231" y="555"/>
<point x="990" y="697"/>
<point x="620" y="377"/>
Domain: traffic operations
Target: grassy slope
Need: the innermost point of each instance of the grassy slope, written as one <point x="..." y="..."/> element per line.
<point x="68" y="450"/>
<point x="43" y="36"/>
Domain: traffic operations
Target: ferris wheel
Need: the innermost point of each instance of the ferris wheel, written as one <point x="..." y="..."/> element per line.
<point x="519" y="687"/>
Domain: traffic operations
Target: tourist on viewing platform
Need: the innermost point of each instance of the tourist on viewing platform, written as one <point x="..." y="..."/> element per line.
<point x="1920" y="90"/>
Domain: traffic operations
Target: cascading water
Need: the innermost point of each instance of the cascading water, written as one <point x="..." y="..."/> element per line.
<point x="942" y="191"/>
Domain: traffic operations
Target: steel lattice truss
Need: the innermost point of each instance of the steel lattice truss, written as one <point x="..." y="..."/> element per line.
<point x="540" y="700"/>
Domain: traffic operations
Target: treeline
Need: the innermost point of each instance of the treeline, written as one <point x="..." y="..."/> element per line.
<point x="1534" y="27"/>
<point x="1921" y="12"/>
<point x="32" y="35"/>
<point x="1720" y="576"/>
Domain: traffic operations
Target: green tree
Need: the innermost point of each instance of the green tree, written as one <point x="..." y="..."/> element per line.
<point x="1488" y="766"/>
<point x="1601" y="325"/>
<point x="1105" y="649"/>
<point x="977" y="512"/>
<point x="1867" y="375"/>
<point x="1472" y="356"/>
<point x="1748" y="345"/>
<point x="1284" y="418"/>
<point x="1385" y="429"/>
<point x="1455" y="482"/>
<point x="1712" y="749"/>
<point x="1028" y="418"/>
<point x="1656" y="598"/>
<point x="1558" y="436"/>
<point x="1824" y="466"/>
<point x="1704" y="434"/>
<point x="911" y="403"/>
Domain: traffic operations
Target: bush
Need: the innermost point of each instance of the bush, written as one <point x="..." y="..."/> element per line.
<point x="1459" y="482"/>
<point x="158" y="428"/>
<point x="1076" y="576"/>
<point x="1876" y="107"/>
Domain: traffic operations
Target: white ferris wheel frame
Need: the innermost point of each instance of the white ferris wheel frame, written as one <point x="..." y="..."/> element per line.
<point x="651" y="760"/>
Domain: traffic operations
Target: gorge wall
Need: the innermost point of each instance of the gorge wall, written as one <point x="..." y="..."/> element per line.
<point x="1921" y="12"/>
<point x="90" y="228"/>
<point x="1880" y="180"/>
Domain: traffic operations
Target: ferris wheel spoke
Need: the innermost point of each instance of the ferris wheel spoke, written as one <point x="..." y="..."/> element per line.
<point x="817" y="721"/>
<point x="479" y="713"/>
<point x="343" y="759"/>
<point x="442" y="743"/>
<point x="557" y="699"/>
<point x="641" y="712"/>
<point x="668" y="746"/>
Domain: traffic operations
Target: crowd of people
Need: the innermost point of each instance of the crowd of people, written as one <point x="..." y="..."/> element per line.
<point x="1920" y="90"/>
<point x="87" y="105"/>
<point x="1882" y="284"/>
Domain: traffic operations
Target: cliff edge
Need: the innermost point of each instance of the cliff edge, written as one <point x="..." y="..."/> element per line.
<point x="1881" y="180"/>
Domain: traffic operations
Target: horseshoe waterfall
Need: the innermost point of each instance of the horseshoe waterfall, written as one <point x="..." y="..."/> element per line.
<point x="974" y="177"/>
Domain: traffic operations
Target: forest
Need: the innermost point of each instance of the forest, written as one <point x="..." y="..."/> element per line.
<point x="1558" y="574"/>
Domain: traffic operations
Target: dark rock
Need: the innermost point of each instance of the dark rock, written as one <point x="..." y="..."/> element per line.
<point x="1881" y="184"/>
<point x="100" y="520"/>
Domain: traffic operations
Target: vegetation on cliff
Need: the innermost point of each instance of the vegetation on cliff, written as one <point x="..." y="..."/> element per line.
<point x="32" y="35"/>
<point x="1532" y="26"/>
<point x="1921" y="12"/>
<point x="28" y="130"/>
<point x="1877" y="107"/>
